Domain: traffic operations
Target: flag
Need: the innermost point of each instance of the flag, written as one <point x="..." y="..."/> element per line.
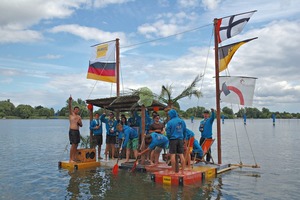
<point x="237" y="89"/>
<point x="228" y="27"/>
<point x="227" y="52"/>
<point x="102" y="65"/>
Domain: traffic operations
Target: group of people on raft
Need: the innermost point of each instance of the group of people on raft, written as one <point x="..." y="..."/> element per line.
<point x="172" y="135"/>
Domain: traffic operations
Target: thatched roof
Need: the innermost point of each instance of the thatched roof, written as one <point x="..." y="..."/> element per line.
<point x="123" y="103"/>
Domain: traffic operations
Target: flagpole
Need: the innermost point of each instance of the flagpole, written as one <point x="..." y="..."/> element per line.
<point x="218" y="109"/>
<point x="118" y="66"/>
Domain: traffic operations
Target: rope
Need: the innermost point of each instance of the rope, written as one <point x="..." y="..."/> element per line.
<point x="250" y="145"/>
<point x="236" y="137"/>
<point x="204" y="71"/>
<point x="162" y="38"/>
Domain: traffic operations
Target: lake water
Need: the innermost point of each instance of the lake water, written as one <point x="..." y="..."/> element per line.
<point x="30" y="151"/>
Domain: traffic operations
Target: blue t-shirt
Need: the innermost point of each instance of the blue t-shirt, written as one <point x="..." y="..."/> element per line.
<point x="176" y="127"/>
<point x="110" y="124"/>
<point x="206" y="126"/>
<point x="130" y="133"/>
<point x="158" y="140"/>
<point x="197" y="148"/>
<point x="93" y="124"/>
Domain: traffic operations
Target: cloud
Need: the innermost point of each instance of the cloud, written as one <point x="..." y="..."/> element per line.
<point x="27" y="13"/>
<point x="50" y="57"/>
<point x="19" y="36"/>
<point x="188" y="3"/>
<point x="167" y="24"/>
<point x="89" y="33"/>
<point x="104" y="3"/>
<point x="210" y="4"/>
<point x="17" y="17"/>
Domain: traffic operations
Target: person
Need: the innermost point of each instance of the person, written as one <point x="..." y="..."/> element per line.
<point x="96" y="128"/>
<point x="123" y="120"/>
<point x="189" y="144"/>
<point x="197" y="152"/>
<point x="74" y="134"/>
<point x="156" y="126"/>
<point x="176" y="132"/>
<point x="192" y="119"/>
<point x="134" y="120"/>
<point x="155" y="142"/>
<point x="111" y="135"/>
<point x="131" y="140"/>
<point x="206" y="129"/>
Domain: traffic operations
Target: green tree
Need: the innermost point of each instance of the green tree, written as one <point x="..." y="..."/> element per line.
<point x="80" y="103"/>
<point x="6" y="108"/>
<point x="266" y="113"/>
<point x="24" y="111"/>
<point x="227" y="112"/>
<point x="195" y="111"/>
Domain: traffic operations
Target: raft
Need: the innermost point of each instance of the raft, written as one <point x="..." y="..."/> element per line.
<point x="77" y="165"/>
<point x="85" y="158"/>
<point x="168" y="177"/>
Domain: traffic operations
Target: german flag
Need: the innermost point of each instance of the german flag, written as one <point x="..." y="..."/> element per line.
<point x="102" y="65"/>
<point x="102" y="72"/>
<point x="227" y="52"/>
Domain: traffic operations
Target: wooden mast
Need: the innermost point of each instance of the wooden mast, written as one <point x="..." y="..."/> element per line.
<point x="118" y="71"/>
<point x="118" y="65"/>
<point x="218" y="109"/>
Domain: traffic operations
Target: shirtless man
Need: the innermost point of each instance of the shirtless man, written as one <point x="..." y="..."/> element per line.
<point x="74" y="135"/>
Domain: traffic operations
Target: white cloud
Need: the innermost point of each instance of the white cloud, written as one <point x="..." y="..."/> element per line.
<point x="89" y="33"/>
<point x="188" y="3"/>
<point x="104" y="3"/>
<point x="19" y="36"/>
<point x="167" y="24"/>
<point x="30" y="12"/>
<point x="50" y="57"/>
<point x="18" y="16"/>
<point x="210" y="4"/>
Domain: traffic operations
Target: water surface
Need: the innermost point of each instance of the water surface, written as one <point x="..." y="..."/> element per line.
<point x="31" y="149"/>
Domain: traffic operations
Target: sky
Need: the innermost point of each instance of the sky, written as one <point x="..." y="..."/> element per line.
<point x="45" y="47"/>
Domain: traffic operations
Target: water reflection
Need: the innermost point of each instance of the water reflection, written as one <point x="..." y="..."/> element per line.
<point x="101" y="184"/>
<point x="85" y="184"/>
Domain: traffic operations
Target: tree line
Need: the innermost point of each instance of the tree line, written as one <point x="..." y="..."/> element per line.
<point x="22" y="111"/>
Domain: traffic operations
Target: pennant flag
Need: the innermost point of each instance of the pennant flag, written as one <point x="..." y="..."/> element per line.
<point x="227" y="52"/>
<point x="228" y="27"/>
<point x="237" y="90"/>
<point x="102" y="65"/>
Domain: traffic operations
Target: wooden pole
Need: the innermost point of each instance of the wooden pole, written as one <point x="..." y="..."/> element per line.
<point x="218" y="110"/>
<point x="118" y="72"/>
<point x="143" y="121"/>
<point x="118" y="65"/>
<point x="91" y="132"/>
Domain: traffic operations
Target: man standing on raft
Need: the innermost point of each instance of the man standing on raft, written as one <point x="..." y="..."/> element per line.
<point x="74" y="134"/>
<point x="176" y="132"/>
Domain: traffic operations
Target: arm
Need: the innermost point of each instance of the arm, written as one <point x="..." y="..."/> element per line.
<point x="143" y="152"/>
<point x="102" y="118"/>
<point x="79" y="122"/>
<point x="92" y="125"/>
<point x="126" y="139"/>
<point x="213" y="115"/>
<point x="70" y="105"/>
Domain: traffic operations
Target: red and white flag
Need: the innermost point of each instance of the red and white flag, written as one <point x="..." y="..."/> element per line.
<point x="237" y="89"/>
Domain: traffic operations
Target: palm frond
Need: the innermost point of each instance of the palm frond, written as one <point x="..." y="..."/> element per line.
<point x="85" y="142"/>
<point x="190" y="90"/>
<point x="166" y="94"/>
